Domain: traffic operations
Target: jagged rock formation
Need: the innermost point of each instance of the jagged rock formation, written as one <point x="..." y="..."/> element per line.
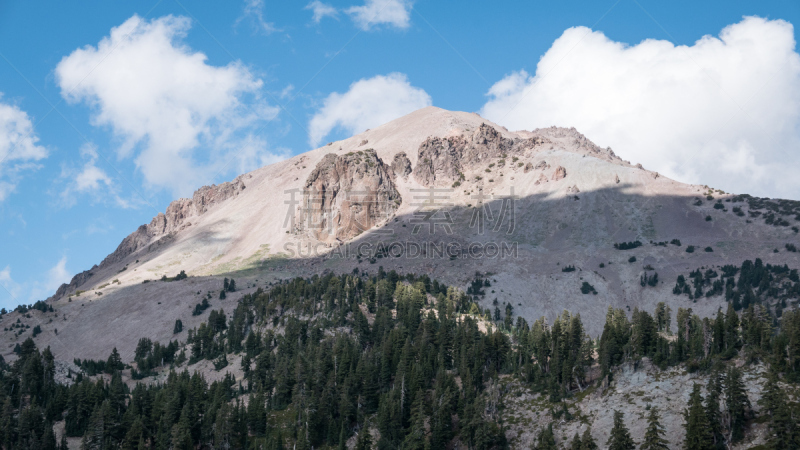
<point x="160" y="230"/>
<point x="442" y="160"/>
<point x="347" y="195"/>
<point x="559" y="174"/>
<point x="401" y="166"/>
<point x="578" y="141"/>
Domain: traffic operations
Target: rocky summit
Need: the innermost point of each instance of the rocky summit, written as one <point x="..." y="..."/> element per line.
<point x="539" y="245"/>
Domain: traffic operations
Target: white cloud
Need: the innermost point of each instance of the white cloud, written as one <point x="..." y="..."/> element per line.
<point x="321" y="10"/>
<point x="57" y="275"/>
<point x="368" y="103"/>
<point x="10" y="290"/>
<point x="395" y="13"/>
<point x="724" y="111"/>
<point x="52" y="280"/>
<point x="180" y="117"/>
<point x="91" y="178"/>
<point x="88" y="179"/>
<point x="254" y="9"/>
<point x="5" y="275"/>
<point x="18" y="146"/>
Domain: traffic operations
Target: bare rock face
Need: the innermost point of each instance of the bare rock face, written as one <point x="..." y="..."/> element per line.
<point x="401" y="166"/>
<point x="76" y="281"/>
<point x="162" y="227"/>
<point x="559" y="174"/>
<point x="175" y="217"/>
<point x="442" y="160"/>
<point x="578" y="141"/>
<point x="439" y="160"/>
<point x="346" y="195"/>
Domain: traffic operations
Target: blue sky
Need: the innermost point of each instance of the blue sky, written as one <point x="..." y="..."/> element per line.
<point x="101" y="129"/>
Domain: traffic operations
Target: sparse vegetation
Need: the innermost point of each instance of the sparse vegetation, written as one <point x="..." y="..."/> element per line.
<point x="201" y="307"/>
<point x="627" y="245"/>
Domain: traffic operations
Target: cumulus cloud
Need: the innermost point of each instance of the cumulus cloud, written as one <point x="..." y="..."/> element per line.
<point x="395" y="13"/>
<point x="368" y="103"/>
<point x="321" y="10"/>
<point x="179" y="117"/>
<point x="19" y="147"/>
<point x="724" y="111"/>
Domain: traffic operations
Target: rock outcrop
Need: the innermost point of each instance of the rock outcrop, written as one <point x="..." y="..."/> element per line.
<point x="578" y="142"/>
<point x="401" y="166"/>
<point x="559" y="174"/>
<point x="442" y="161"/>
<point x="346" y="195"/>
<point x="161" y="228"/>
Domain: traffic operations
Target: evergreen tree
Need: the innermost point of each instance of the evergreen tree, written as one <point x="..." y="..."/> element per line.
<point x="178" y="327"/>
<point x="737" y="404"/>
<point x="547" y="440"/>
<point x="784" y="434"/>
<point x="114" y="362"/>
<point x="713" y="413"/>
<point x="620" y="438"/>
<point x="654" y="435"/>
<point x="698" y="431"/>
<point x="575" y="444"/>
<point x="587" y="441"/>
<point x="415" y="439"/>
<point x="364" y="441"/>
<point x="48" y="438"/>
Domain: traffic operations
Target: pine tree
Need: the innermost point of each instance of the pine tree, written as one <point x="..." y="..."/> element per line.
<point x="114" y="362"/>
<point x="342" y="439"/>
<point x="654" y="435"/>
<point x="784" y="433"/>
<point x="698" y="431"/>
<point x="575" y="444"/>
<point x="620" y="438"/>
<point x="547" y="440"/>
<point x="415" y="440"/>
<point x="364" y="441"/>
<point x="178" y="327"/>
<point x="587" y="441"/>
<point x="48" y="438"/>
<point x="737" y="403"/>
<point x="713" y="413"/>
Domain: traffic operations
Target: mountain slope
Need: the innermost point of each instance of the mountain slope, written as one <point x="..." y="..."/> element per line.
<point x="299" y="217"/>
